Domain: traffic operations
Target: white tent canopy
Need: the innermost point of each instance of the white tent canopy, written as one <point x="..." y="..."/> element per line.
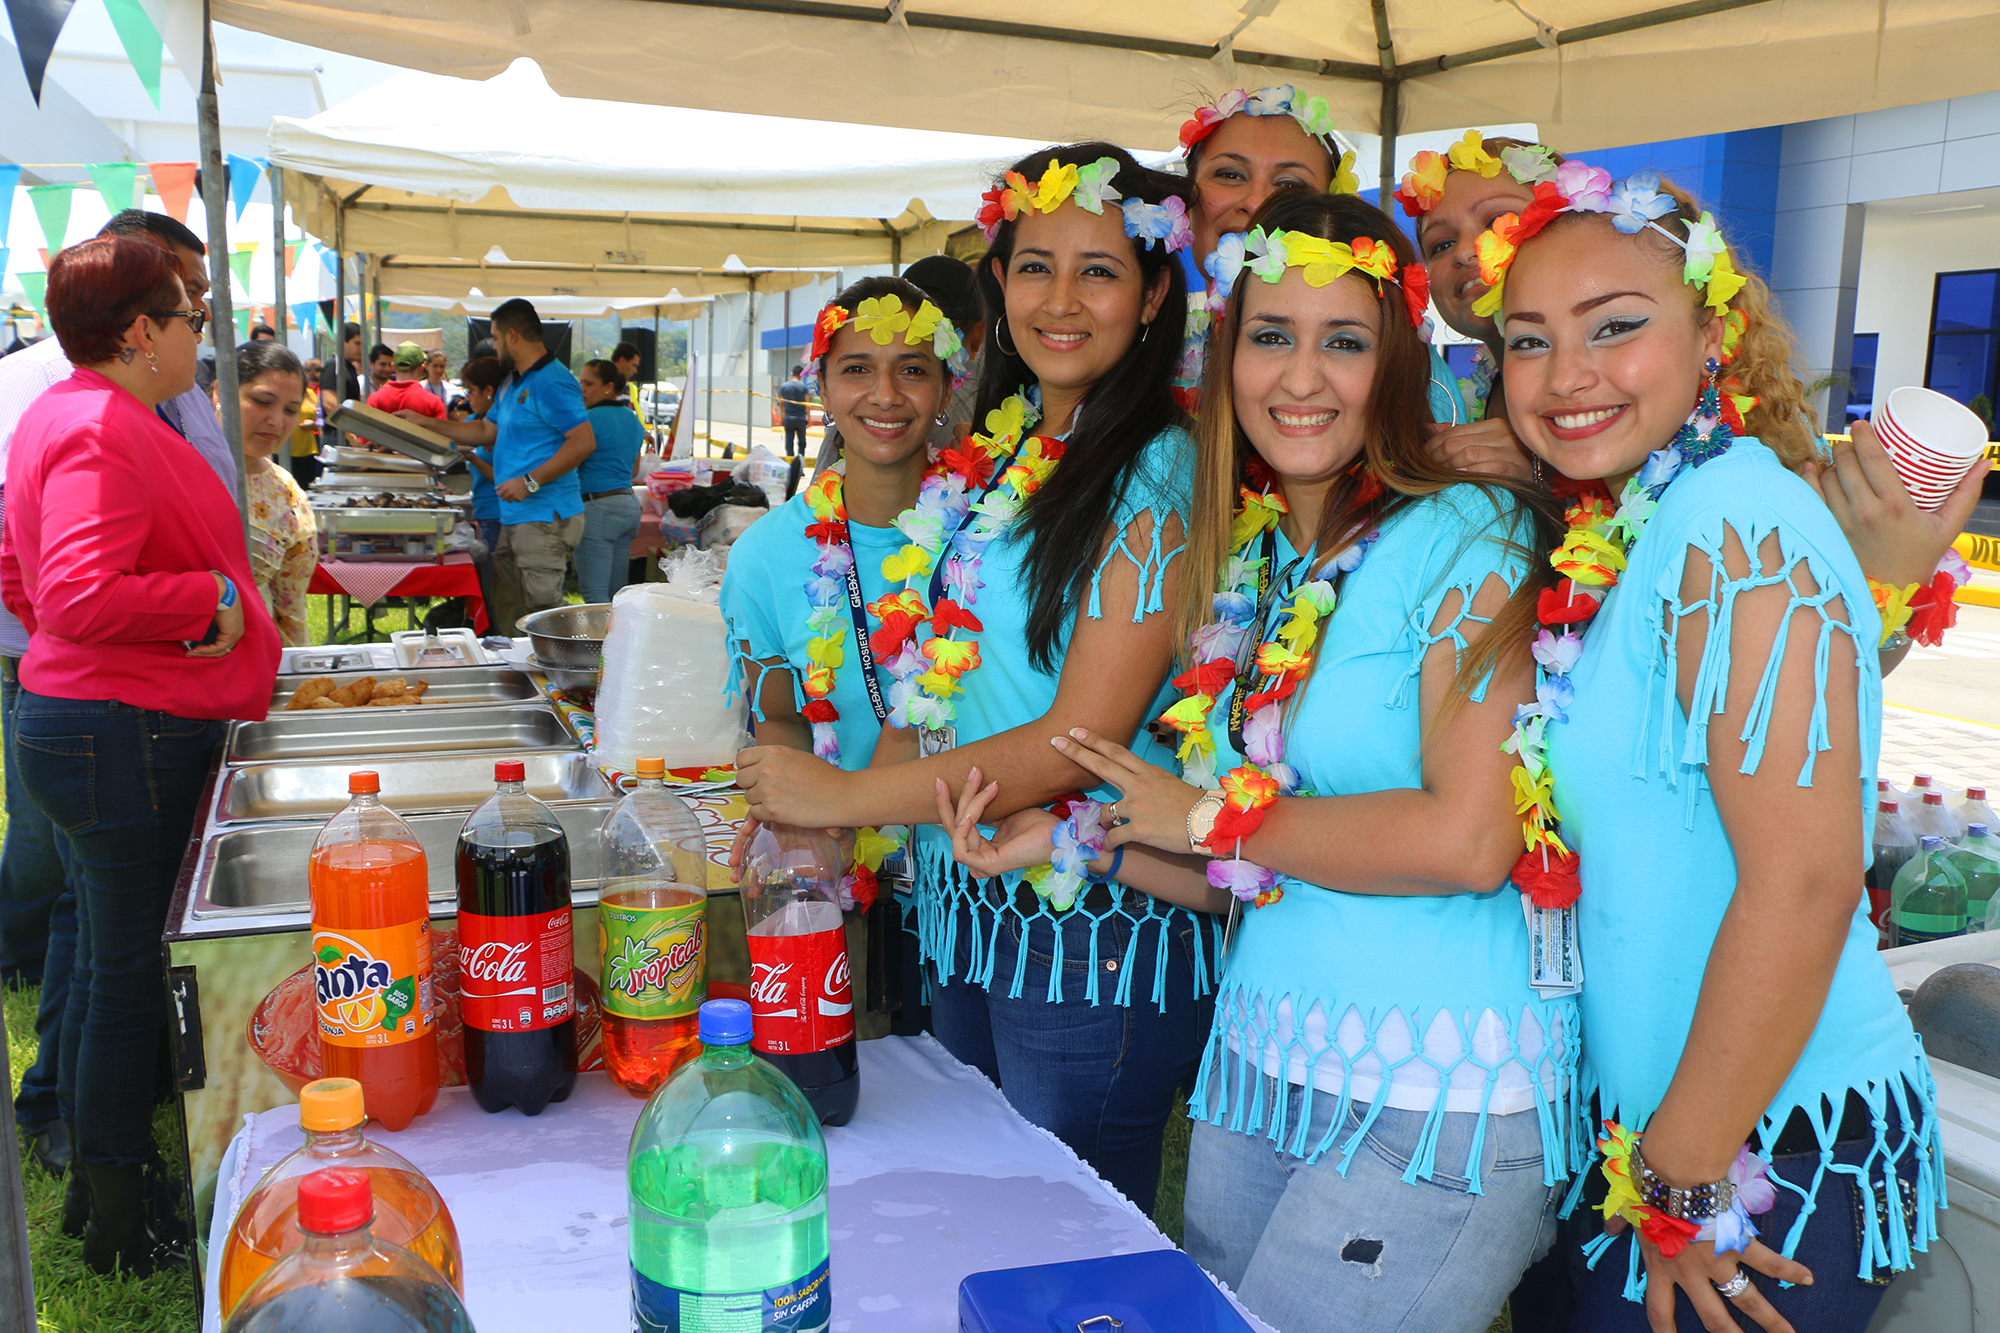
<point x="614" y="188"/>
<point x="674" y="307"/>
<point x="1591" y="73"/>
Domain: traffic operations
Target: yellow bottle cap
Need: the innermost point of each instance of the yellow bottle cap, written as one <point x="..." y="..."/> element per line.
<point x="652" y="768"/>
<point x="329" y="1104"/>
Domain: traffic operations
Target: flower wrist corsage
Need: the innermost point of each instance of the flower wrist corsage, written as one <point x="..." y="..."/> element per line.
<point x="1670" y="1218"/>
<point x="1926" y="609"/>
<point x="1074" y="844"/>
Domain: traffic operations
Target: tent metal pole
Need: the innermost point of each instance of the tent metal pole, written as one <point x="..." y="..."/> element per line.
<point x="215" y="203"/>
<point x="709" y="387"/>
<point x="749" y="369"/>
<point x="375" y="285"/>
<point x="280" y="311"/>
<point x="1391" y="115"/>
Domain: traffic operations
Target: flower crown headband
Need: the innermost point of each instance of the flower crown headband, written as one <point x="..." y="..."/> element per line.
<point x="1633" y="205"/>
<point x="1311" y="113"/>
<point x="882" y="318"/>
<point x="1089" y="187"/>
<point x="1269" y="253"/>
<point x="1423" y="184"/>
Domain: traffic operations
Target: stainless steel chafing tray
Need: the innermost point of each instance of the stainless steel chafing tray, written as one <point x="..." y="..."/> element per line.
<point x="264" y="792"/>
<point x="354" y="732"/>
<point x="260" y="869"/>
<point x="374" y="481"/>
<point x="393" y="432"/>
<point x="446" y="686"/>
<point x="335" y="519"/>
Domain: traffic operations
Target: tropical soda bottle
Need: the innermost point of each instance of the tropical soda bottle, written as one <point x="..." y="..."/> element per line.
<point x="651" y="933"/>
<point x="371" y="945"/>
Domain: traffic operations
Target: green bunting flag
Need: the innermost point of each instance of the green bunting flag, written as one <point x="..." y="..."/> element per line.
<point x="239" y="264"/>
<point x="141" y="41"/>
<point x="52" y="211"/>
<point x="114" y="181"/>
<point x="37" y="286"/>
<point x="243" y="325"/>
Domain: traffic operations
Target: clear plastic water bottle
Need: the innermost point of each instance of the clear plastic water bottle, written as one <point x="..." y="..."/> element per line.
<point x="1929" y="818"/>
<point x="726" y="1179"/>
<point x="1978" y="859"/>
<point x="1973" y="809"/>
<point x="1929" y="898"/>
<point x="343" y="1278"/>
<point x="1894" y="846"/>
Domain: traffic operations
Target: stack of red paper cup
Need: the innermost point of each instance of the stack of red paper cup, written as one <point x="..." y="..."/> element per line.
<point x="1932" y="439"/>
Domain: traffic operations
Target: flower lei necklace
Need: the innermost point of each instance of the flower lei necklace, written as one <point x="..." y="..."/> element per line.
<point x="1218" y="653"/>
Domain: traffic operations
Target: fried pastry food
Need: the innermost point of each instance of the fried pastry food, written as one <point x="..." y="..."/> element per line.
<point x="316" y="688"/>
<point x="354" y="693"/>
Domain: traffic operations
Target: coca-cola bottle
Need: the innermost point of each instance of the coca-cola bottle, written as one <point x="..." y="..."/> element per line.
<point x="515" y="956"/>
<point x="801" y="1000"/>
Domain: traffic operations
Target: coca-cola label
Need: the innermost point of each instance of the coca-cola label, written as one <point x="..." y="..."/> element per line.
<point x="800" y="997"/>
<point x="514" y="971"/>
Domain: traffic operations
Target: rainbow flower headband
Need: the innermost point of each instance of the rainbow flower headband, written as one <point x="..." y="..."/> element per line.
<point x="1312" y="114"/>
<point x="1423" y="184"/>
<point x="882" y="318"/>
<point x="1632" y="204"/>
<point x="1269" y="253"/>
<point x="1089" y="187"/>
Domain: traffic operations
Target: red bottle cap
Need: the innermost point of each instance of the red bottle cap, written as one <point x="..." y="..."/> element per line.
<point x="1933" y="798"/>
<point x="363" y="782"/>
<point x="1921" y="780"/>
<point x="335" y="1200"/>
<point x="1975" y="793"/>
<point x="510" y="770"/>
<point x="1888" y="807"/>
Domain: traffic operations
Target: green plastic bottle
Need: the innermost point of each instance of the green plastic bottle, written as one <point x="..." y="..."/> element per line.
<point x="1929" y="898"/>
<point x="1978" y="859"/>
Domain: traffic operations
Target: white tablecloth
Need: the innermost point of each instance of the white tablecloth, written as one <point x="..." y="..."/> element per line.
<point x="935" y="1177"/>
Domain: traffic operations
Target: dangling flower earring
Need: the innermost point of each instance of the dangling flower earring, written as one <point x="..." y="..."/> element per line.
<point x="1704" y="435"/>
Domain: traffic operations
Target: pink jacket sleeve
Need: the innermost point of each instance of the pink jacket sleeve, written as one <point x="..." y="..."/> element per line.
<point x="96" y="518"/>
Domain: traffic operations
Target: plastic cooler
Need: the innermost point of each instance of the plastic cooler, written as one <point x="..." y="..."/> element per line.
<point x="1157" y="1291"/>
<point x="1955" y="1287"/>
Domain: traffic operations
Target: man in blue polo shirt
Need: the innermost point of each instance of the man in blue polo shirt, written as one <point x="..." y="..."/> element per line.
<point x="539" y="435"/>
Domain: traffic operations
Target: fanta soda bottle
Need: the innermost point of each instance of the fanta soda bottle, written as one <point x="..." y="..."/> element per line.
<point x="371" y="944"/>
<point x="408" y="1209"/>
<point x="651" y="931"/>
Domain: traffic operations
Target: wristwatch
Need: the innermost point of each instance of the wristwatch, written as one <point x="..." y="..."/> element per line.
<point x="1201" y="821"/>
<point x="528" y="480"/>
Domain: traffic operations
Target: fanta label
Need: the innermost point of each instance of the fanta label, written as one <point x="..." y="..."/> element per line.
<point x="514" y="971"/>
<point x="373" y="987"/>
<point x="801" y="997"/>
<point x="654" y="960"/>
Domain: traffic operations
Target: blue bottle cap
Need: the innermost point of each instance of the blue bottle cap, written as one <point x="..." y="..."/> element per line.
<point x="1978" y="831"/>
<point x="725" y="1023"/>
<point x="1931" y="844"/>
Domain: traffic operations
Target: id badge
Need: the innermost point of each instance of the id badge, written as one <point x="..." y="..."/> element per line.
<point x="1555" y="964"/>
<point x="935" y="740"/>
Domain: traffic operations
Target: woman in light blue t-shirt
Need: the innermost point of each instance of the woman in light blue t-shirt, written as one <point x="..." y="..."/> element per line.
<point x="1711" y="747"/>
<point x="1090" y="1013"/>
<point x="610" y="510"/>
<point x="1385" y="1106"/>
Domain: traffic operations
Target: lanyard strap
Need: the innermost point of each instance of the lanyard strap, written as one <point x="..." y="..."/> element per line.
<point x="859" y="613"/>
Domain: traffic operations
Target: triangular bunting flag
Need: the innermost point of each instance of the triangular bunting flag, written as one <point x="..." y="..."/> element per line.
<point x="37" y="24"/>
<point x="37" y="286"/>
<point x="328" y="262"/>
<point x="243" y="326"/>
<point x="239" y="264"/>
<point x="305" y="314"/>
<point x="9" y="175"/>
<point x="52" y="211"/>
<point x="114" y="181"/>
<point x="141" y="41"/>
<point x="244" y="173"/>
<point x="292" y="256"/>
<point x="174" y="183"/>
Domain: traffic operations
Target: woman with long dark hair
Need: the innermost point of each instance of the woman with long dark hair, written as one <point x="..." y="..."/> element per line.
<point x="610" y="510"/>
<point x="1033" y="596"/>
<point x="284" y="539"/>
<point x="1384" y="1109"/>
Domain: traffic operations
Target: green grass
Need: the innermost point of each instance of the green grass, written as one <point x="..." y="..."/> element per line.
<point x="69" y="1298"/>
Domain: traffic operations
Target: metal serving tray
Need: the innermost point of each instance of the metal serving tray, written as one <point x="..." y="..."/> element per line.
<point x="449" y="686"/>
<point x="260" y="869"/>
<point x="429" y="522"/>
<point x="374" y="481"/>
<point x="328" y="733"/>
<point x="264" y="792"/>
<point x="393" y="432"/>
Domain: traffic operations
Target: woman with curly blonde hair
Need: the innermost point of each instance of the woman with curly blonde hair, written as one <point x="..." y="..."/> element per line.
<point x="1695" y="780"/>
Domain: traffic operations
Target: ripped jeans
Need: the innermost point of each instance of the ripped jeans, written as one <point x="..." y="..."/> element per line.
<point x="1308" y="1250"/>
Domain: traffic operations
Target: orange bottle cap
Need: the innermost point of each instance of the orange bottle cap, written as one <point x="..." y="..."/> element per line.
<point x="364" y="781"/>
<point x="651" y="767"/>
<point x="331" y="1103"/>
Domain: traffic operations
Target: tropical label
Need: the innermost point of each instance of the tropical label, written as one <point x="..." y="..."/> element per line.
<point x="655" y="965"/>
<point x="373" y="987"/>
<point x="800" y="997"/>
<point x="804" y="1306"/>
<point x="514" y="971"/>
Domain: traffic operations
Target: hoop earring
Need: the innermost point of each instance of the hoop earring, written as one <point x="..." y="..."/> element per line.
<point x="999" y="329"/>
<point x="1704" y="435"/>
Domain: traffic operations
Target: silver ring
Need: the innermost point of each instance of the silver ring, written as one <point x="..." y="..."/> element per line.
<point x="1736" y="1286"/>
<point x="1112" y="810"/>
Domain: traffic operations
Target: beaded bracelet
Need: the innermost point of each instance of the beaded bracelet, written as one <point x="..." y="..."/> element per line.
<point x="1644" y="1200"/>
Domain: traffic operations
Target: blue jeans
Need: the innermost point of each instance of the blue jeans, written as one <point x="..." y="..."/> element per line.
<point x="121" y="785"/>
<point x="1836" y="1302"/>
<point x="1101" y="1078"/>
<point x="1309" y="1249"/>
<point x="603" y="557"/>
<point x="37" y="919"/>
